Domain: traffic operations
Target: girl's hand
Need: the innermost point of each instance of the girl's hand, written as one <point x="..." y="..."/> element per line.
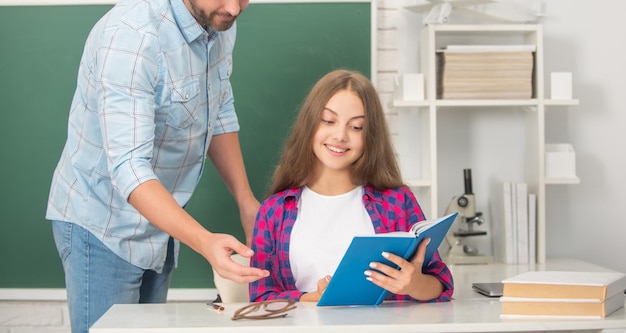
<point x="316" y="295"/>
<point x="408" y="279"/>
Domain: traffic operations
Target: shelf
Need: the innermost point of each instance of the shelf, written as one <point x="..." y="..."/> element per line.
<point x="435" y="36"/>
<point x="499" y="28"/>
<point x="562" y="181"/>
<point x="485" y="102"/>
<point x="564" y="102"/>
<point x="468" y="102"/>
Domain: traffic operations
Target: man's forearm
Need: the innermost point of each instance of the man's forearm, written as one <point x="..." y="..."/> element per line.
<point x="225" y="153"/>
<point x="157" y="205"/>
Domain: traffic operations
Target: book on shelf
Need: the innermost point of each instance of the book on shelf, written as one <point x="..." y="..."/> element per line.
<point x="349" y="286"/>
<point x="479" y="87"/>
<point x="490" y="48"/>
<point x="505" y="249"/>
<point x="521" y="211"/>
<point x="565" y="284"/>
<point x="498" y="60"/>
<point x="514" y="214"/>
<point x="482" y="62"/>
<point x="486" y="81"/>
<point x="483" y="95"/>
<point x="532" y="228"/>
<point x="467" y="75"/>
<point x="593" y="308"/>
<point x="514" y="228"/>
<point x="485" y="72"/>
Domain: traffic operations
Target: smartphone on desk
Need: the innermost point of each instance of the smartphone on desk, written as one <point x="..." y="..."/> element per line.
<point x="489" y="289"/>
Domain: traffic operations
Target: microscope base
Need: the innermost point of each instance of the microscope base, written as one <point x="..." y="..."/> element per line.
<point x="468" y="260"/>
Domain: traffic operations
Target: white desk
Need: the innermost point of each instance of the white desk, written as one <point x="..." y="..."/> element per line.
<point x="468" y="312"/>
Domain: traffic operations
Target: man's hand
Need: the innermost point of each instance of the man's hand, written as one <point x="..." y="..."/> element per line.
<point x="218" y="250"/>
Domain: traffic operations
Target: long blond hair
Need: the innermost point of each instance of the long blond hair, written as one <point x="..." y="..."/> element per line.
<point x="377" y="166"/>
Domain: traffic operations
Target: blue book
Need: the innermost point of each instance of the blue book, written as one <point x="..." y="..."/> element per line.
<point x="349" y="286"/>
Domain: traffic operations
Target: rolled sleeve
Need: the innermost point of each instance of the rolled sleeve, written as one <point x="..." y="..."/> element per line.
<point x="127" y="80"/>
<point x="226" y="120"/>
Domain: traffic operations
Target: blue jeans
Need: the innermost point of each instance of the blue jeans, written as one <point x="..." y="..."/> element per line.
<point x="96" y="278"/>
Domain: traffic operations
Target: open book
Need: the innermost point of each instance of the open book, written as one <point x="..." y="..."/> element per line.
<point x="349" y="286"/>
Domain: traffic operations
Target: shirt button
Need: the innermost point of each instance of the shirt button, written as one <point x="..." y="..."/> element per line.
<point x="209" y="87"/>
<point x="186" y="96"/>
<point x="228" y="72"/>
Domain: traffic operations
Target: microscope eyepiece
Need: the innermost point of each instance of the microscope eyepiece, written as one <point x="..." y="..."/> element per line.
<point x="467" y="178"/>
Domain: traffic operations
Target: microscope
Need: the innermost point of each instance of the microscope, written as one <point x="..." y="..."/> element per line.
<point x="465" y="205"/>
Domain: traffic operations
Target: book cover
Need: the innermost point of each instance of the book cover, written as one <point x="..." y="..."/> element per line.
<point x="491" y="48"/>
<point x="532" y="228"/>
<point x="522" y="222"/>
<point x="502" y="212"/>
<point x="489" y="95"/>
<point x="561" y="307"/>
<point x="348" y="285"/>
<point x="565" y="284"/>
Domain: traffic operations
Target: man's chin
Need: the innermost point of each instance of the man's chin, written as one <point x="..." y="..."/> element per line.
<point x="223" y="25"/>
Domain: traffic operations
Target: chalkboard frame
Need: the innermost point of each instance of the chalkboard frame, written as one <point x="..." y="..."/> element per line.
<point x="34" y="162"/>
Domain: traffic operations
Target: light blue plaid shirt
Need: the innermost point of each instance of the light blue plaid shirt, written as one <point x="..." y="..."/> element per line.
<point x="153" y="88"/>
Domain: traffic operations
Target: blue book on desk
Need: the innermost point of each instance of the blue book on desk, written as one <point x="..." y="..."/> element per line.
<point x="348" y="285"/>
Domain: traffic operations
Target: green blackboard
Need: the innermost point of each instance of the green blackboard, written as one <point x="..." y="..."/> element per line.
<point x="281" y="50"/>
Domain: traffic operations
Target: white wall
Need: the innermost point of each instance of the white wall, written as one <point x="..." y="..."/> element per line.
<point x="586" y="221"/>
<point x="582" y="37"/>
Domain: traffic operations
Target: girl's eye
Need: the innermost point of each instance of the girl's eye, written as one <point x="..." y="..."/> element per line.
<point x="326" y="121"/>
<point x="356" y="128"/>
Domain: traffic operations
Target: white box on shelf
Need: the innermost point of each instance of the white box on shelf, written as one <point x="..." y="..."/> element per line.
<point x="561" y="85"/>
<point x="560" y="160"/>
<point x="409" y="87"/>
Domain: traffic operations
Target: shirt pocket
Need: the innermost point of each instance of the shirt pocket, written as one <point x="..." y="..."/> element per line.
<point x="225" y="70"/>
<point x="185" y="104"/>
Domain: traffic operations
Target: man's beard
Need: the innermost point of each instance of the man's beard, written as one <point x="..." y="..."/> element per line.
<point x="214" y="20"/>
<point x="219" y="25"/>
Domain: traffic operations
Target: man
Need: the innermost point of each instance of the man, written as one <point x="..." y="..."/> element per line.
<point x="153" y="97"/>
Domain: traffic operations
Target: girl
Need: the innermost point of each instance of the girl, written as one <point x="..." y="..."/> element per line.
<point x="338" y="177"/>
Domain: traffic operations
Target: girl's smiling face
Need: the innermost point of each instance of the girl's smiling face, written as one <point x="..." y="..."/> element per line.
<point x="338" y="140"/>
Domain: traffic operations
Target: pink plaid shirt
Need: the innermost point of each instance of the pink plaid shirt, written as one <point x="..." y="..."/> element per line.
<point x="390" y="210"/>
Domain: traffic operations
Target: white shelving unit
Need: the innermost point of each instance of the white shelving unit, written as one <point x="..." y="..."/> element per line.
<point x="435" y="36"/>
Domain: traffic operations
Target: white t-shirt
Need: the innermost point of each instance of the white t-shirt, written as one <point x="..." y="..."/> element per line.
<point x="323" y="231"/>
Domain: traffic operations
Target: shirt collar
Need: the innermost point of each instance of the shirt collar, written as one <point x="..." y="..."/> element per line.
<point x="368" y="192"/>
<point x="371" y="194"/>
<point x="187" y="24"/>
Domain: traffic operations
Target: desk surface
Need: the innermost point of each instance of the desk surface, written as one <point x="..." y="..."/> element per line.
<point x="468" y="312"/>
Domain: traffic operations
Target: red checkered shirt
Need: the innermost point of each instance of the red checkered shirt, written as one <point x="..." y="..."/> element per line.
<point x="390" y="210"/>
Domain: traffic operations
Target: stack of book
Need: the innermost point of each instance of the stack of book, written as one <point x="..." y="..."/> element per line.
<point x="514" y="214"/>
<point x="560" y="293"/>
<point x="485" y="72"/>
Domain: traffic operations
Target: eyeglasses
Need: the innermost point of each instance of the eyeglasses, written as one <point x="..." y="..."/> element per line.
<point x="276" y="308"/>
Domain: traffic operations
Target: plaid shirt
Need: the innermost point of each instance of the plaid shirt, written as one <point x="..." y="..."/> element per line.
<point x="390" y="210"/>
